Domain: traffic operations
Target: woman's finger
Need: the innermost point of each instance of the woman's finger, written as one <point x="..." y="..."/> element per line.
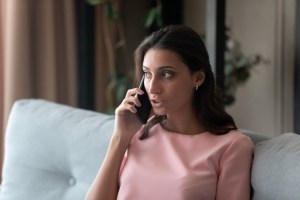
<point x="134" y="91"/>
<point x="131" y="107"/>
<point x="133" y="100"/>
<point x="129" y="103"/>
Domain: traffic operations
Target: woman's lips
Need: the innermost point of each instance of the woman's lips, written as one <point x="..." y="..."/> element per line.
<point x="156" y="103"/>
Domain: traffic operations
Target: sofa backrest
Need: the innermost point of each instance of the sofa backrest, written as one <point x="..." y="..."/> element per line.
<point x="52" y="151"/>
<point x="276" y="168"/>
<point x="254" y="136"/>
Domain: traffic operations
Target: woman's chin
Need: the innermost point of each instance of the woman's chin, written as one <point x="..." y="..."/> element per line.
<point x="159" y="112"/>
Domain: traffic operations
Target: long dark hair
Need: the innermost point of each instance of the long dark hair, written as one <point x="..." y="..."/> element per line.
<point x="188" y="45"/>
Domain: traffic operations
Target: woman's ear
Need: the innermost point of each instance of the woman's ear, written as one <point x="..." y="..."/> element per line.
<point x="199" y="78"/>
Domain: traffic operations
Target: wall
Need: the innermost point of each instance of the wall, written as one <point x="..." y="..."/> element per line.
<point x="194" y="12"/>
<point x="297" y="70"/>
<point x="265" y="27"/>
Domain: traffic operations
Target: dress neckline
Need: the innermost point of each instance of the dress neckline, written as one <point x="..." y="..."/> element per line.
<point x="180" y="134"/>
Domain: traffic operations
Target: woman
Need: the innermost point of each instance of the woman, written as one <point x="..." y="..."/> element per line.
<point x="190" y="148"/>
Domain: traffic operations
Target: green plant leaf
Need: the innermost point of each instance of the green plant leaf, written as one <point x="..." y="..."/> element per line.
<point x="229" y="100"/>
<point x="159" y="20"/>
<point x="228" y="69"/>
<point x="150" y="17"/>
<point x="121" y="92"/>
<point x="228" y="56"/>
<point x="93" y="2"/>
<point x="110" y="110"/>
<point x="121" y="87"/>
<point x="243" y="61"/>
<point x="110" y="12"/>
<point x="243" y="75"/>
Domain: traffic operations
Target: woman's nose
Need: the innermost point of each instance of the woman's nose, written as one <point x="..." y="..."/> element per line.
<point x="154" y="86"/>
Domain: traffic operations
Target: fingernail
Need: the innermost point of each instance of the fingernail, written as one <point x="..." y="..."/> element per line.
<point x="134" y="110"/>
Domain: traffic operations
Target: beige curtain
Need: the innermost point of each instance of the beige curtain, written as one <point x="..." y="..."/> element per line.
<point x="39" y="53"/>
<point x="1" y="84"/>
<point x="101" y="61"/>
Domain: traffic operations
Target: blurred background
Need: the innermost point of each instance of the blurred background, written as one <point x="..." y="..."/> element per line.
<point x="80" y="53"/>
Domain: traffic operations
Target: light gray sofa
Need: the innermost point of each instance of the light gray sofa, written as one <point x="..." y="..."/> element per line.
<point x="53" y="152"/>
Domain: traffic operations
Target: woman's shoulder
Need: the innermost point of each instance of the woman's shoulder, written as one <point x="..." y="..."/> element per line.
<point x="232" y="139"/>
<point x="237" y="140"/>
<point x="236" y="135"/>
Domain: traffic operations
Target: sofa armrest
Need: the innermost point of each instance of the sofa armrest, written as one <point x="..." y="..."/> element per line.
<point x="276" y="168"/>
<point x="52" y="151"/>
<point x="254" y="136"/>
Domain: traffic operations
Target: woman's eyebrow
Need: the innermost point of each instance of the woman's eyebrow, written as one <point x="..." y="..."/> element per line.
<point x="161" y="68"/>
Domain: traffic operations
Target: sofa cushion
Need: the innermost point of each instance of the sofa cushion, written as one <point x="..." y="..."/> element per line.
<point x="254" y="136"/>
<point x="276" y="168"/>
<point x="52" y="151"/>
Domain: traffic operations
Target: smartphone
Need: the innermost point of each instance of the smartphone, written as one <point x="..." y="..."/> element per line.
<point x="143" y="112"/>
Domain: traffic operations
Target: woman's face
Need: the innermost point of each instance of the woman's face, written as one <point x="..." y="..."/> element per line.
<point x="169" y="82"/>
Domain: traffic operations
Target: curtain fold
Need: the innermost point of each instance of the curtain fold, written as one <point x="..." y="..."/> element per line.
<point x="39" y="53"/>
<point x="100" y="61"/>
<point x="1" y="84"/>
<point x="105" y="65"/>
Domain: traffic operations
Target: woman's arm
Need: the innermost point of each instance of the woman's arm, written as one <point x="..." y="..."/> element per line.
<point x="234" y="181"/>
<point x="105" y="185"/>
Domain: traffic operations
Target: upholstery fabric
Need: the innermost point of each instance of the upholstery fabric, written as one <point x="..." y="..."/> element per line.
<point x="52" y="151"/>
<point x="276" y="168"/>
<point x="255" y="137"/>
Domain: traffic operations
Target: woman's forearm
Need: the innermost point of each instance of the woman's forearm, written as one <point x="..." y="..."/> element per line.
<point x="105" y="185"/>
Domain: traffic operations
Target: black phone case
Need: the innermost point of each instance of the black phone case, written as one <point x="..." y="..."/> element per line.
<point x="143" y="112"/>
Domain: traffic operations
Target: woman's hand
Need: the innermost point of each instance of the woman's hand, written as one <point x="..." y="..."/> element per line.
<point x="105" y="185"/>
<point x="127" y="122"/>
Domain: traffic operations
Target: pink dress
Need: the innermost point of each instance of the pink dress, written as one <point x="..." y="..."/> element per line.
<point x="172" y="166"/>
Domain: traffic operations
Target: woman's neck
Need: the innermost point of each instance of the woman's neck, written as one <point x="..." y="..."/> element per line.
<point x="183" y="124"/>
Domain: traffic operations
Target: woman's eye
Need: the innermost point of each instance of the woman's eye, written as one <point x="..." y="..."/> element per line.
<point x="167" y="74"/>
<point x="147" y="74"/>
